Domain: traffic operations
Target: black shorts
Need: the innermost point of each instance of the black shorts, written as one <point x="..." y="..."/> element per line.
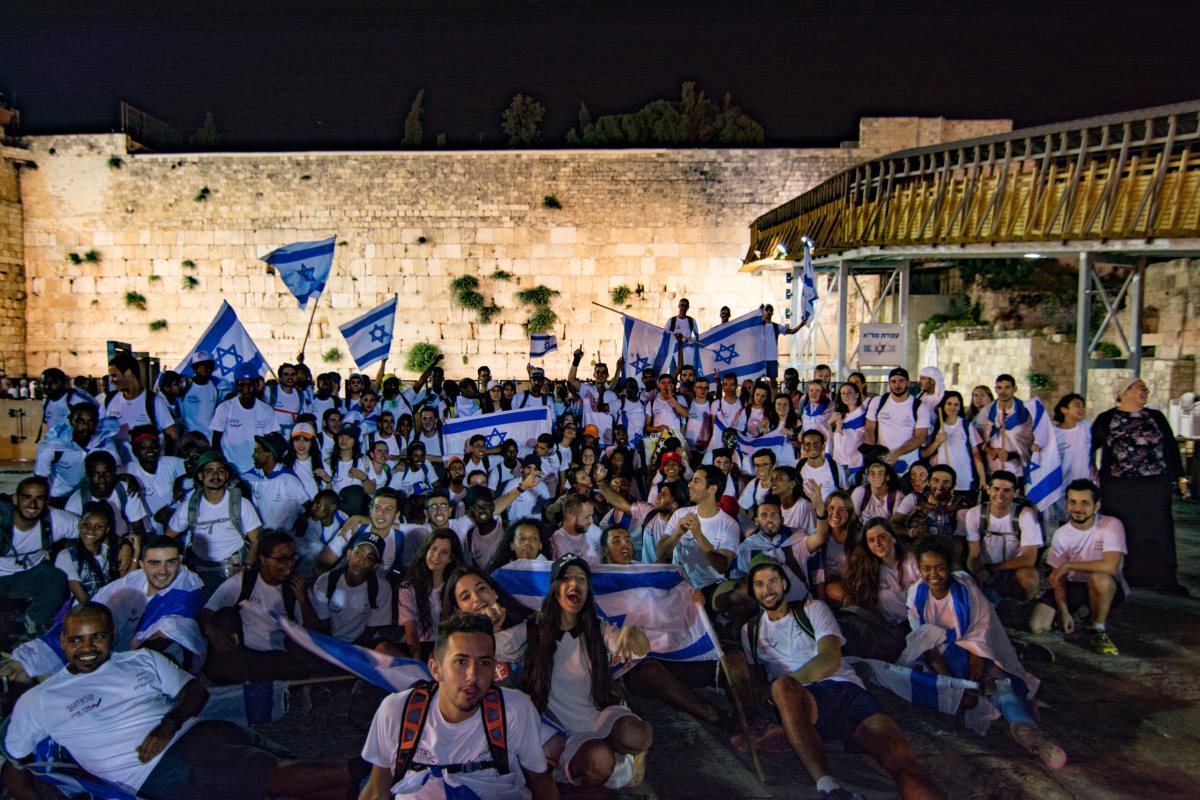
<point x="841" y="707"/>
<point x="1077" y="597"/>
<point x="213" y="759"/>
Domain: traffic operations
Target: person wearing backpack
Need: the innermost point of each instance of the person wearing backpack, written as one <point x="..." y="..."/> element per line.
<point x="1003" y="539"/>
<point x="28" y="531"/>
<point x="458" y="736"/>
<point x="899" y="422"/>
<point x="220" y="526"/>
<point x="131" y="403"/>
<point x="817" y="696"/>
<point x="353" y="604"/>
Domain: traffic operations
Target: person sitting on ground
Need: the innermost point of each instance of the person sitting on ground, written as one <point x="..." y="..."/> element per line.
<point x="838" y="528"/>
<point x="419" y="601"/>
<point x="878" y="575"/>
<point x="454" y="747"/>
<point x="817" y="696"/>
<point x="955" y="632"/>
<point x="701" y="538"/>
<point x="28" y="530"/>
<point x="245" y="643"/>
<point x="647" y="522"/>
<point x="577" y="535"/>
<point x="156" y="475"/>
<point x="523" y="541"/>
<point x="145" y="739"/>
<point x="470" y="590"/>
<point x="881" y="495"/>
<point x="1003" y="537"/>
<point x="940" y="510"/>
<point x="603" y="742"/>
<point x="797" y="510"/>
<point x="98" y="557"/>
<point x="353" y="604"/>
<point x="1086" y="556"/>
<point x="101" y="482"/>
<point x="380" y="520"/>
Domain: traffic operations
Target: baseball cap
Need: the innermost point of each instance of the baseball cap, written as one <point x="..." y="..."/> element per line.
<point x="591" y="430"/>
<point x="570" y="559"/>
<point x="367" y="537"/>
<point x="304" y="430"/>
<point x="199" y="357"/>
<point x="537" y="372"/>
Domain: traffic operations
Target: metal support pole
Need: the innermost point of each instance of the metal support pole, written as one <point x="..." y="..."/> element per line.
<point x="794" y="304"/>
<point x="1083" y="313"/>
<point x="905" y="270"/>
<point x="1135" y="318"/>
<point x="843" y="360"/>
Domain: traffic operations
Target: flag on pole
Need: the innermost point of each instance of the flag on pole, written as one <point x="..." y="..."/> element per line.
<point x="370" y="336"/>
<point x="541" y="343"/>
<point x="228" y="344"/>
<point x="808" y="285"/>
<point x="303" y="267"/>
<point x="735" y="346"/>
<point x="389" y="674"/>
<point x="644" y="346"/>
<point x="927" y="689"/>
<point x="523" y="426"/>
<point x="654" y="597"/>
<point x="1043" y="473"/>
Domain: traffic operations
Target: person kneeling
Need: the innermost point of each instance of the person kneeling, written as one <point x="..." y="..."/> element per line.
<point x="819" y="698"/>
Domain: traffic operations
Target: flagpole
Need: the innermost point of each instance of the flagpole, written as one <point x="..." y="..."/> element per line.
<point x="608" y="308"/>
<point x="743" y="723"/>
<point x="307" y="330"/>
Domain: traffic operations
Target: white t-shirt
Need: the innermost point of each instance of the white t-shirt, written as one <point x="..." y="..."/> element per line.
<point x="896" y="424"/>
<point x="238" y="426"/>
<point x="1075" y="451"/>
<point x="101" y="717"/>
<point x="961" y="440"/>
<point x="463" y="742"/>
<point x="1107" y="535"/>
<point x="279" y="499"/>
<point x="129" y="511"/>
<point x="722" y="533"/>
<point x="1001" y="543"/>
<point x="349" y="608"/>
<point x="753" y="494"/>
<point x="28" y="544"/>
<point x="131" y="413"/>
<point x="871" y="506"/>
<point x="590" y="397"/>
<point x="585" y="545"/>
<point x="158" y="490"/>
<point x="199" y="405"/>
<point x="848" y="438"/>
<point x="259" y="632"/>
<point x="661" y="412"/>
<point x="570" y="702"/>
<point x="288" y="406"/>
<point x="214" y="538"/>
<point x="800" y="517"/>
<point x="783" y="646"/>
<point x="479" y="548"/>
<point x="407" y="612"/>
<point x="631" y="414"/>
<point x="822" y="475"/>
<point x="893" y="588"/>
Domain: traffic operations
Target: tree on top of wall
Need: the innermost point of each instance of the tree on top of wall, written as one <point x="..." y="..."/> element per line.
<point x="521" y="121"/>
<point x="413" y="130"/>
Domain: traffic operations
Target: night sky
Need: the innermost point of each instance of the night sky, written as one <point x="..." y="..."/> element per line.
<point x="342" y="74"/>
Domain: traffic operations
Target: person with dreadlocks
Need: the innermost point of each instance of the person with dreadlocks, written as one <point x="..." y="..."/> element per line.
<point x="568" y="655"/>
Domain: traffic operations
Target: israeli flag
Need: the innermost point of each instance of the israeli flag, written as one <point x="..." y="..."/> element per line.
<point x="654" y="597"/>
<point x="735" y="346"/>
<point x="1043" y="473"/>
<point x="523" y="426"/>
<point x="389" y="674"/>
<point x="54" y="766"/>
<point x="776" y="443"/>
<point x="230" y="347"/>
<point x="541" y="343"/>
<point x="644" y="346"/>
<point x="303" y="267"/>
<point x="808" y="285"/>
<point x="927" y="689"/>
<point x="370" y="336"/>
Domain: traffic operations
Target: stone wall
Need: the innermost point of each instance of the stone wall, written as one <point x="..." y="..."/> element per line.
<point x="971" y="357"/>
<point x="880" y="135"/>
<point x="12" y="266"/>
<point x="673" y="223"/>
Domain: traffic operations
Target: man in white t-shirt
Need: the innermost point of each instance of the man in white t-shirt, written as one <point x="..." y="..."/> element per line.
<point x="899" y="422"/>
<point x="156" y="475"/>
<point x="221" y="526"/>
<point x="28" y="529"/>
<point x="352" y="603"/>
<point x="132" y="404"/>
<point x="60" y="458"/>
<point x="598" y="401"/>
<point x="819" y="698"/>
<point x="129" y="719"/>
<point x="279" y="495"/>
<point x="453" y="754"/>
<point x="578" y="535"/>
<point x="1086" y="556"/>
<point x="101" y="482"/>
<point x="1003" y="537"/>
<point x="202" y="395"/>
<point x="285" y="400"/>
<point x="239" y="419"/>
<point x="701" y="538"/>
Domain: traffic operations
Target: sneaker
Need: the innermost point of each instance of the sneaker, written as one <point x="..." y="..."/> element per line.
<point x="1103" y="644"/>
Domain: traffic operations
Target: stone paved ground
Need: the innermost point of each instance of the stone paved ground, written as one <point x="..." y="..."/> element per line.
<point x="1130" y="724"/>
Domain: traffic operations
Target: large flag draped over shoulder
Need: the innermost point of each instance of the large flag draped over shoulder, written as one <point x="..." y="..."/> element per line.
<point x="644" y="346"/>
<point x="808" y="285"/>
<point x="735" y="346"/>
<point x="654" y="597"/>
<point x="389" y="674"/>
<point x="370" y="336"/>
<point x="228" y="344"/>
<point x="303" y="267"/>
<point x="523" y="426"/>
<point x="1043" y="474"/>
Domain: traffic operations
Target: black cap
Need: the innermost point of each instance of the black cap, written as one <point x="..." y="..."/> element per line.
<point x="570" y="559"/>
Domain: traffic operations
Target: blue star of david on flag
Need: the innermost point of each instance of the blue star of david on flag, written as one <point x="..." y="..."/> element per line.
<point x="228" y="344"/>
<point x="640" y="363"/>
<point x="522" y="425"/>
<point x="494" y="439"/>
<point x="303" y="267"/>
<point x="644" y="346"/>
<point x="726" y="353"/>
<point x="370" y="336"/>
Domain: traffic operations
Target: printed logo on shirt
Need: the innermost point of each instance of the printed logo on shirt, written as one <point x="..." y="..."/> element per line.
<point x="86" y="704"/>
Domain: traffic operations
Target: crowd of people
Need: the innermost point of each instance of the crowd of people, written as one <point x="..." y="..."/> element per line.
<point x="820" y="527"/>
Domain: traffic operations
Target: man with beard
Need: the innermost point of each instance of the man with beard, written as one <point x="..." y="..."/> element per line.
<point x="818" y="697"/>
<point x="940" y="509"/>
<point x="453" y="745"/>
<point x="534" y="494"/>
<point x="279" y="495"/>
<point x="287" y="401"/>
<point x="28" y="531"/>
<point x="701" y="538"/>
<point x="60" y="398"/>
<point x="129" y="719"/>
<point x="537" y="394"/>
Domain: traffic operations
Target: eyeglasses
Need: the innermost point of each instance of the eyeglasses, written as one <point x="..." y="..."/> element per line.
<point x="438" y="506"/>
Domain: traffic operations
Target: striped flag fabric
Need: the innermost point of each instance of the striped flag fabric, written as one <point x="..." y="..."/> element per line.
<point x="541" y="343"/>
<point x="1043" y="473"/>
<point x="230" y="347"/>
<point x="643" y="346"/>
<point x="655" y="597"/>
<point x="735" y="346"/>
<point x="920" y="688"/>
<point x="808" y="285"/>
<point x="370" y="336"/>
<point x="389" y="674"/>
<point x="303" y="267"/>
<point x="523" y="426"/>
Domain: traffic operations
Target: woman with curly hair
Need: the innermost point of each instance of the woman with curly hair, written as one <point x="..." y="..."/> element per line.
<point x="420" y="599"/>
